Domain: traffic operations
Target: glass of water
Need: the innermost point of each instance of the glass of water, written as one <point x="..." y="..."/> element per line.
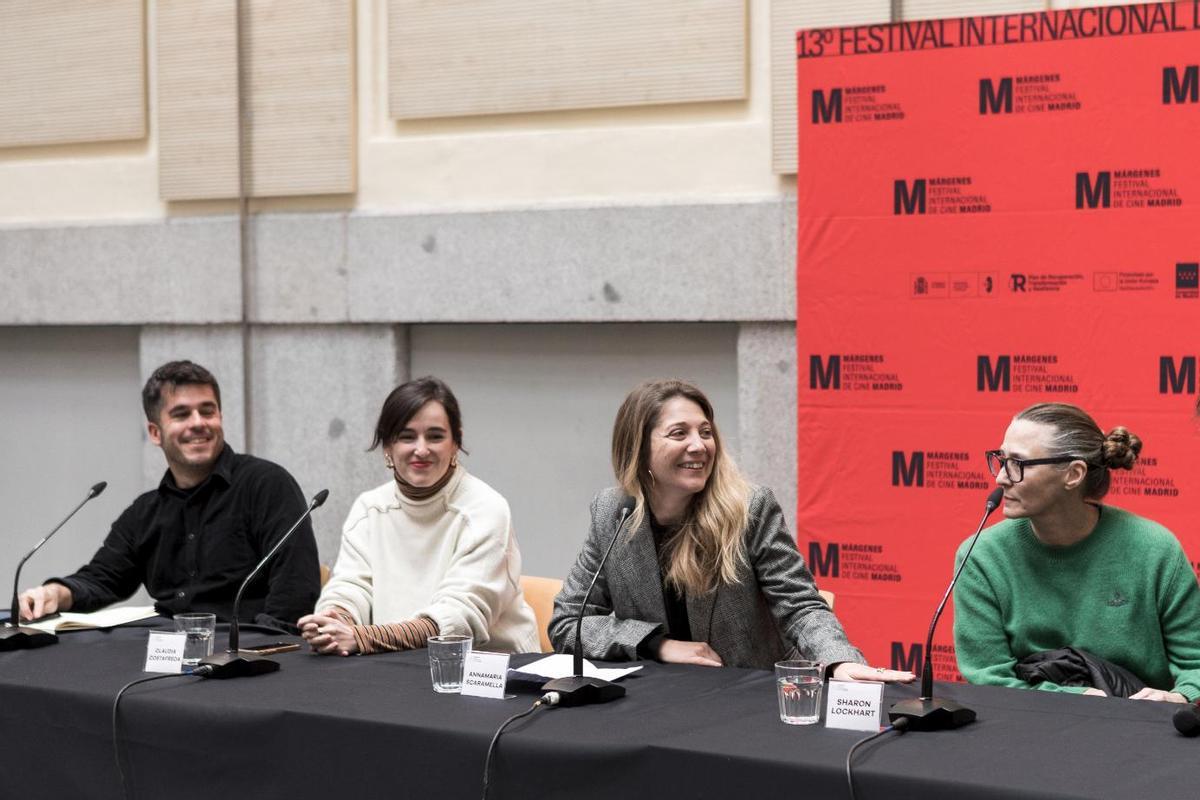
<point x="798" y="684"/>
<point x="446" y="657"/>
<point x="199" y="628"/>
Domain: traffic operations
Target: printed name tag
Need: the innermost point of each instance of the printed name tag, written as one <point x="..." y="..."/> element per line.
<point x="854" y="706"/>
<point x="164" y="651"/>
<point x="485" y="674"/>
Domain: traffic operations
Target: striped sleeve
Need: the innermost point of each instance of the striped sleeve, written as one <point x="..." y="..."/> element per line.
<point x="394" y="636"/>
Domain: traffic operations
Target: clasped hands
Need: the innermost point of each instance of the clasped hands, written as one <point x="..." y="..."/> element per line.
<point x="327" y="634"/>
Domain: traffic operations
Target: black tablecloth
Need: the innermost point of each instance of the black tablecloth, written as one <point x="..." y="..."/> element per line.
<point x="372" y="727"/>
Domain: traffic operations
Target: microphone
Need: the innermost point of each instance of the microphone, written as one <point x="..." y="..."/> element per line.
<point x="12" y="635"/>
<point x="231" y="664"/>
<point x="578" y="690"/>
<point x="1187" y="719"/>
<point x="929" y="713"/>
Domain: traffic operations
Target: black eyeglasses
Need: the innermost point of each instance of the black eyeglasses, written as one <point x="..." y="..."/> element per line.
<point x="1014" y="468"/>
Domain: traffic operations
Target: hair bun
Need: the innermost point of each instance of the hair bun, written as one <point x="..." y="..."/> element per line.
<point x="1121" y="449"/>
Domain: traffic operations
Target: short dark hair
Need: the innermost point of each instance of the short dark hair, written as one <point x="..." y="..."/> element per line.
<point x="406" y="400"/>
<point x="171" y="375"/>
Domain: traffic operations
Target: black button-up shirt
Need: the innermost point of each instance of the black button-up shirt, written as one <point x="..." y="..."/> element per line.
<point x="193" y="548"/>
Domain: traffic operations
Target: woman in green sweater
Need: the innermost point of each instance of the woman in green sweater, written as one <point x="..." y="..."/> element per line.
<point x="1064" y="570"/>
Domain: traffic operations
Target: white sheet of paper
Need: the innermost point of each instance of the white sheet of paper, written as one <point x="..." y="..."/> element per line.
<point x="485" y="674"/>
<point x="854" y="706"/>
<point x="560" y="665"/>
<point x="164" y="651"/>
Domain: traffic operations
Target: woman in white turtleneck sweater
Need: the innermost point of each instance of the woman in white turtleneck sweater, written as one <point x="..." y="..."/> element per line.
<point x="430" y="552"/>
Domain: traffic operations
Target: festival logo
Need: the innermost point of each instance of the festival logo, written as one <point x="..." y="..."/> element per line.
<point x="1141" y="187"/>
<point x="864" y="562"/>
<point x="854" y="104"/>
<point x="852" y="372"/>
<point x="948" y="194"/>
<point x="1026" y="94"/>
<point x="1026" y="372"/>
<point x="938" y="469"/>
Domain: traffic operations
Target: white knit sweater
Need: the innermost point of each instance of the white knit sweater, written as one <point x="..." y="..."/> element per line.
<point x="452" y="557"/>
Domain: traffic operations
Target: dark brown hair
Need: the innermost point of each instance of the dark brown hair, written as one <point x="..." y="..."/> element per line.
<point x="171" y="375"/>
<point x="406" y="400"/>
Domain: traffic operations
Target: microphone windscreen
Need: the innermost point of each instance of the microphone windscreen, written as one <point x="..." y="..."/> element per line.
<point x="627" y="505"/>
<point x="1187" y="720"/>
<point x="97" y="489"/>
<point x="319" y="498"/>
<point x="994" y="498"/>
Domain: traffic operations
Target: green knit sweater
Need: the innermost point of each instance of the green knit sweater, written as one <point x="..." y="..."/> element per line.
<point x="1126" y="593"/>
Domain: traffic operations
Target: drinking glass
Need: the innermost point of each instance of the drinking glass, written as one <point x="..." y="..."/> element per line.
<point x="199" y="628"/>
<point x="446" y="657"/>
<point x="798" y="684"/>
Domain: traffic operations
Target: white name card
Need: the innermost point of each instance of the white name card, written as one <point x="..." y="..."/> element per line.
<point x="164" y="651"/>
<point x="854" y="706"/>
<point x="485" y="674"/>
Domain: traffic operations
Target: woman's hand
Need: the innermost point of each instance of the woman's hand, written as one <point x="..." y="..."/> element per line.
<point x="676" y="652"/>
<point x="327" y="634"/>
<point x="849" y="671"/>
<point x="1094" y="692"/>
<point x="1158" y="694"/>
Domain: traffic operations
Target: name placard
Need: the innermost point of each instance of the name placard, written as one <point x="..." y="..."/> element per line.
<point x="485" y="674"/>
<point x="164" y="651"/>
<point x="854" y="706"/>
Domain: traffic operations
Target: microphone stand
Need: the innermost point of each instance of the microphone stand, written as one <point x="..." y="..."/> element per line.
<point x="578" y="690"/>
<point x="929" y="713"/>
<point x="13" y="636"/>
<point x="232" y="664"/>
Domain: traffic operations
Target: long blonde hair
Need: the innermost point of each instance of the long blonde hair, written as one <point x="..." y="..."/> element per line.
<point x="708" y="549"/>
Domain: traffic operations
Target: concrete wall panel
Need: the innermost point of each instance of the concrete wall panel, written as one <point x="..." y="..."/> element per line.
<point x="697" y="263"/>
<point x="316" y="397"/>
<point x="766" y="362"/>
<point x="169" y="271"/>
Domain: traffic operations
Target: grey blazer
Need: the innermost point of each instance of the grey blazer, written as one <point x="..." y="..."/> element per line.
<point x="773" y="612"/>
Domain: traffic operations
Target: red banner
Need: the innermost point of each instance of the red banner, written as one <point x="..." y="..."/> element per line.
<point x="993" y="212"/>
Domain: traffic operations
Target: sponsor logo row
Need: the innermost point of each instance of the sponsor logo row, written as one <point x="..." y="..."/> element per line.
<point x="956" y="285"/>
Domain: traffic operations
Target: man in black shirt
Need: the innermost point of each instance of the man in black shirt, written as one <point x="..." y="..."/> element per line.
<point x="194" y="539"/>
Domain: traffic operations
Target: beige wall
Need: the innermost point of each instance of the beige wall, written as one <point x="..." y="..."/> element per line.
<point x="573" y="158"/>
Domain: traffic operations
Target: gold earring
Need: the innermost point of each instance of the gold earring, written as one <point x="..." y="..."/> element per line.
<point x="388" y="463"/>
<point x="651" y="474"/>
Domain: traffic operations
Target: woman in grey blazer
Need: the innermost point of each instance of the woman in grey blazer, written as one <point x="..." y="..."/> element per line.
<point x="704" y="570"/>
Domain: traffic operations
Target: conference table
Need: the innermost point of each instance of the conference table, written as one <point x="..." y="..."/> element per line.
<point x="366" y="727"/>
